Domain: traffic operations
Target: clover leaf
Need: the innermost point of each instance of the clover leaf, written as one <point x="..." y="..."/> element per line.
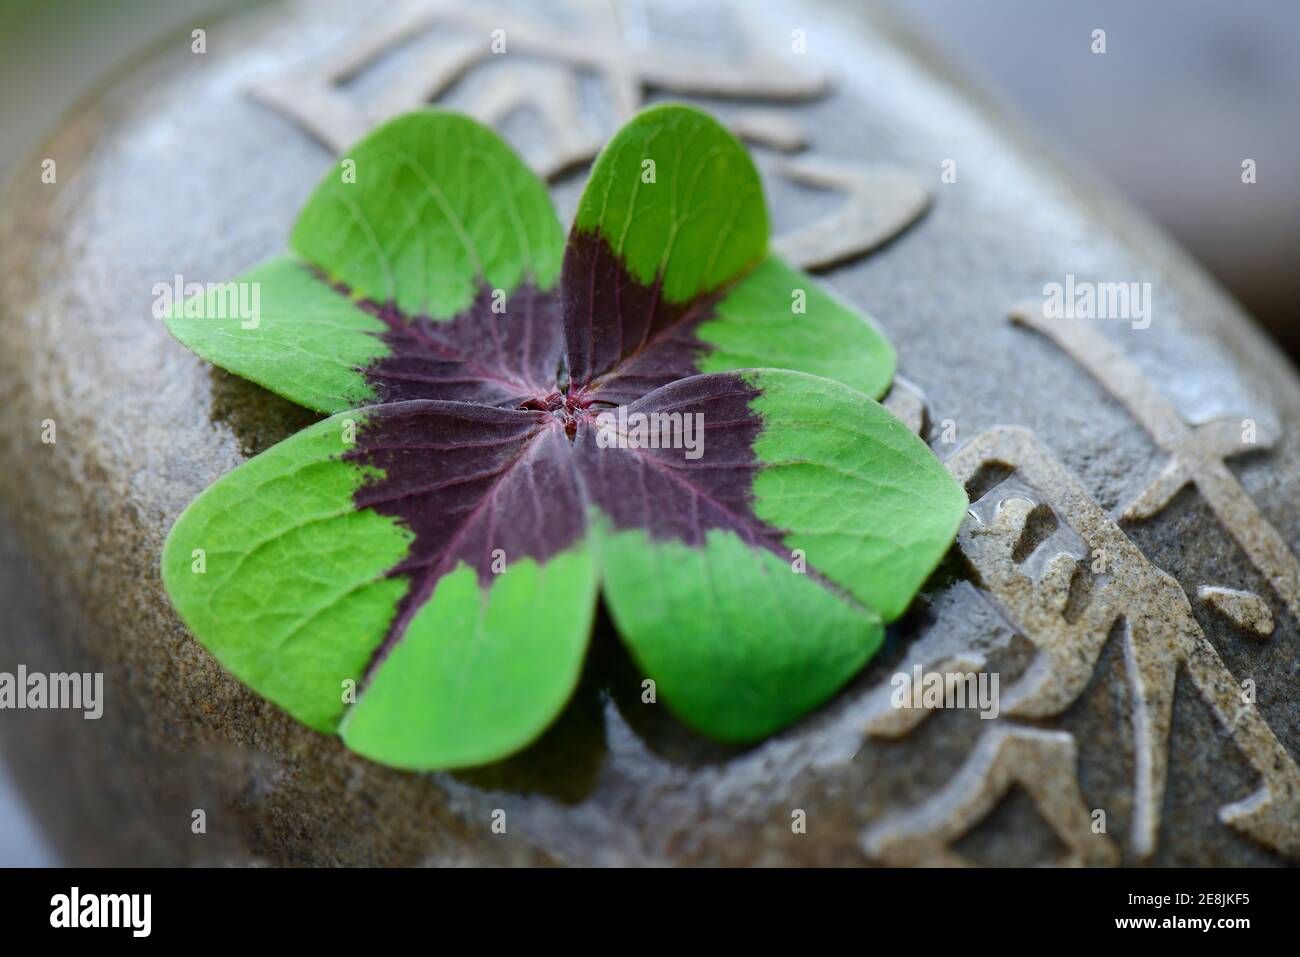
<point x="419" y="571"/>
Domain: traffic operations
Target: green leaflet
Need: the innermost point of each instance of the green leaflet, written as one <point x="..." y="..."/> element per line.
<point x="294" y="597"/>
<point x="677" y="251"/>
<point x="420" y="214"/>
<point x="739" y="642"/>
<point x="738" y="645"/>
<point x="309" y="345"/>
<point x="437" y="208"/>
<point x="755" y="326"/>
<point x="480" y="674"/>
<point x="701" y="223"/>
<point x="864" y="498"/>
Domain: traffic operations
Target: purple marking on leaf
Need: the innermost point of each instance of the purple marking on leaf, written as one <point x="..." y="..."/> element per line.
<point x="666" y="493"/>
<point x="513" y="462"/>
<point x="467" y="480"/>
<point x="623" y="339"/>
<point x="479" y="355"/>
<point x="675" y="498"/>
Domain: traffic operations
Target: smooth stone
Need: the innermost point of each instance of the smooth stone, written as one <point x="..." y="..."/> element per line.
<point x="177" y="169"/>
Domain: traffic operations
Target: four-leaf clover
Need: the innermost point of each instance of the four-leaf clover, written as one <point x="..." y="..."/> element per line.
<point x="419" y="572"/>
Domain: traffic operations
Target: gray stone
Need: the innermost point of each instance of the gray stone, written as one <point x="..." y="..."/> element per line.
<point x="180" y="168"/>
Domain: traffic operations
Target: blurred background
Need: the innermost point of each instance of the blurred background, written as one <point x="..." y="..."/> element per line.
<point x="1186" y="90"/>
